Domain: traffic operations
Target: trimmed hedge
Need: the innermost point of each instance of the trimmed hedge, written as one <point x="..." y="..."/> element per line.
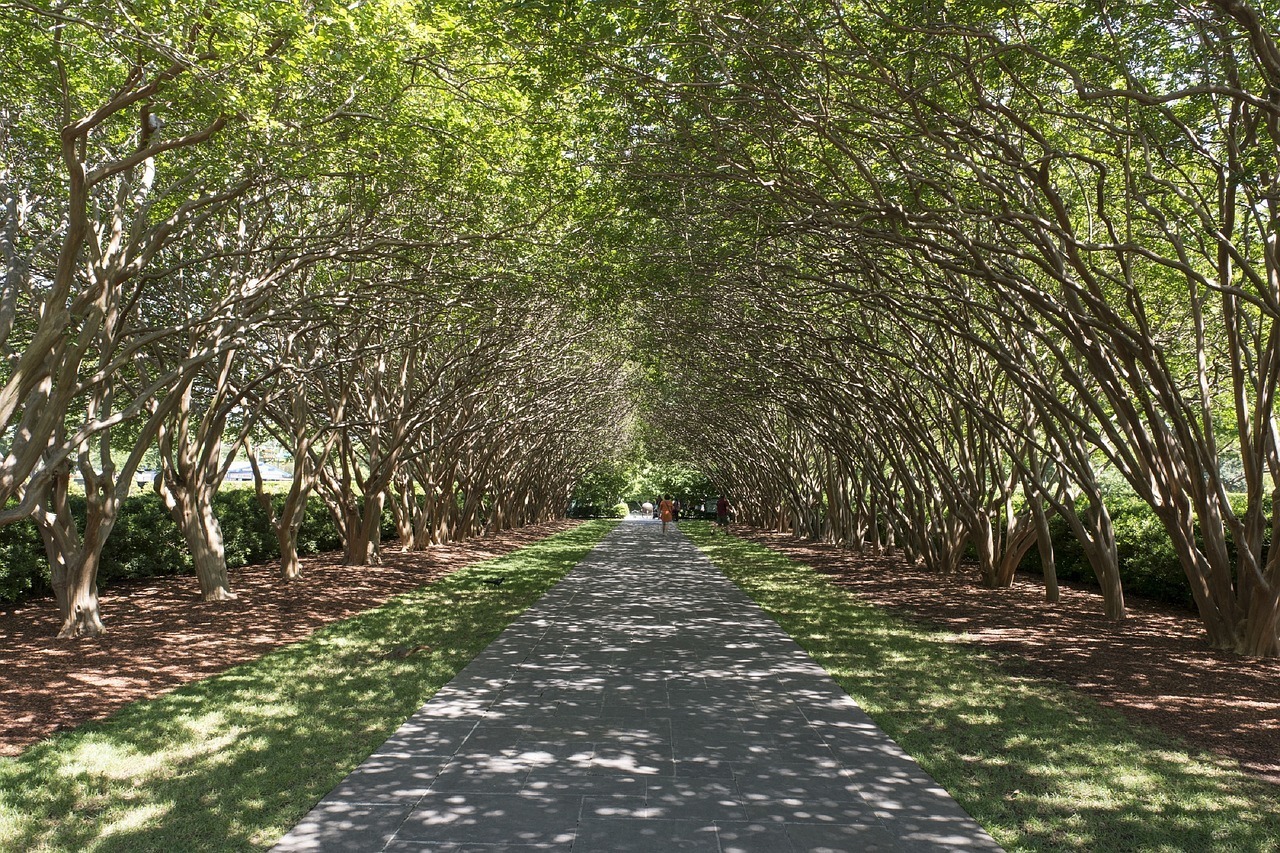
<point x="619" y="510"/>
<point x="1149" y="566"/>
<point x="145" y="542"/>
<point x="23" y="569"/>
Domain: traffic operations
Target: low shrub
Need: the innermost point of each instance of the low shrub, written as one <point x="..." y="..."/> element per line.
<point x="1149" y="566"/>
<point x="318" y="532"/>
<point x="618" y="510"/>
<point x="145" y="541"/>
<point x="24" y="570"/>
<point x="246" y="532"/>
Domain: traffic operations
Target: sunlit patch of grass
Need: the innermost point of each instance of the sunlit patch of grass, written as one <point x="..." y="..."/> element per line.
<point x="1042" y="767"/>
<point x="232" y="762"/>
<point x="99" y="756"/>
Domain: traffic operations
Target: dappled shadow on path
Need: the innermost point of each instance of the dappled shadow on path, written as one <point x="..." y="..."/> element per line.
<point x="1155" y="667"/>
<point x="645" y="703"/>
<point x="161" y="635"/>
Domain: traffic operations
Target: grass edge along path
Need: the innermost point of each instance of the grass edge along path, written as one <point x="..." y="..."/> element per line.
<point x="232" y="762"/>
<point x="1040" y="766"/>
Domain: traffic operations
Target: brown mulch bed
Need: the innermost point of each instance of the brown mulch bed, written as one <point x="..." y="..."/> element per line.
<point x="161" y="635"/>
<point x="1156" y="667"/>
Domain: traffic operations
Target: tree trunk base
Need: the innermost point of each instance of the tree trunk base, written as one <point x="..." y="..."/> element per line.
<point x="219" y="594"/>
<point x="82" y="625"/>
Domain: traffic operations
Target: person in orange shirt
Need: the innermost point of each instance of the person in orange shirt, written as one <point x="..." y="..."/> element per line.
<point x="667" y="510"/>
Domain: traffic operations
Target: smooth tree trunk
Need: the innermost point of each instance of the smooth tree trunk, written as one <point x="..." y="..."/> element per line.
<point x="471" y="510"/>
<point x="1044" y="543"/>
<point x="287" y="541"/>
<point x="406" y="511"/>
<point x="363" y="543"/>
<point x="983" y="536"/>
<point x="287" y="522"/>
<point x="1097" y="539"/>
<point x="75" y="585"/>
<point x="1261" y="636"/>
<point x="192" y="511"/>
<point x="1021" y="538"/>
<point x="81" y="616"/>
<point x="286" y="527"/>
<point x="74" y="558"/>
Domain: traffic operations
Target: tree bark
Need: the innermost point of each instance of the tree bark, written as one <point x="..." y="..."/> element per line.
<point x="1044" y="542"/>
<point x="203" y="535"/>
<point x="363" y="545"/>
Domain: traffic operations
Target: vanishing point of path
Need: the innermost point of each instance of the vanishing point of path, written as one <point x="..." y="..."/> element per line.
<point x="644" y="704"/>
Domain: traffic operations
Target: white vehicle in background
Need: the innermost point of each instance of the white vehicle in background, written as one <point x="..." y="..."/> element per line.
<point x="242" y="472"/>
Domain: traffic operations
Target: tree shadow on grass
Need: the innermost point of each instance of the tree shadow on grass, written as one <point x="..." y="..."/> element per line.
<point x="1155" y="667"/>
<point x="1041" y="767"/>
<point x="232" y="762"/>
<point x="162" y="636"/>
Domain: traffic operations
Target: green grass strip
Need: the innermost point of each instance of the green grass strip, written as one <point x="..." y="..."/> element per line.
<point x="233" y="761"/>
<point x="1041" y="766"/>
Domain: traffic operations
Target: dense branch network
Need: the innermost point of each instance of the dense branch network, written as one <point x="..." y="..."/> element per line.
<point x="902" y="276"/>
<point x="228" y="231"/>
<point x="994" y="261"/>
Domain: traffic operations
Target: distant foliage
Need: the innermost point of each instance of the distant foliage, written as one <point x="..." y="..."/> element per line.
<point x="599" y="489"/>
<point x="685" y="482"/>
<point x="146" y="543"/>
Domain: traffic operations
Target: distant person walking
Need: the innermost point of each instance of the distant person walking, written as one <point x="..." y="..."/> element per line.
<point x="723" y="508"/>
<point x="667" y="510"/>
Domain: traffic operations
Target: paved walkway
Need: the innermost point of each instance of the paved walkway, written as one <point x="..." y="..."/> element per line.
<point x="644" y="704"/>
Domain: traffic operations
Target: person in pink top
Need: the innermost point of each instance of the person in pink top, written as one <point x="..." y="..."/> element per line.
<point x="723" y="508"/>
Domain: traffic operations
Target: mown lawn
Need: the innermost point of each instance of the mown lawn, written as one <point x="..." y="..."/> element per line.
<point x="1040" y="766"/>
<point x="232" y="762"/>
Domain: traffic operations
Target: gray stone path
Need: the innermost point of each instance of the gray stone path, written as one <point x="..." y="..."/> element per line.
<point x="644" y="704"/>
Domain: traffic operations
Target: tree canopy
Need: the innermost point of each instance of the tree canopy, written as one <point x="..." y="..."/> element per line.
<point x="909" y="276"/>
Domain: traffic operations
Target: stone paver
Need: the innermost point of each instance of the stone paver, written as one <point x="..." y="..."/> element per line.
<point x="644" y="704"/>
